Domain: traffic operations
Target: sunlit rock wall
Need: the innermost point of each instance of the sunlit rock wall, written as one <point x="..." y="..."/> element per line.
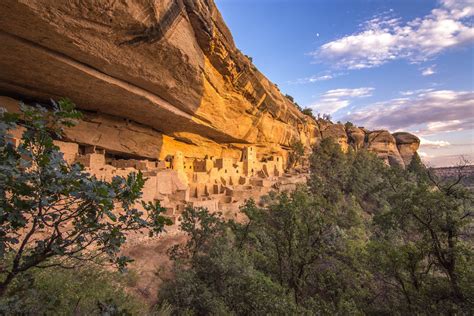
<point x="153" y="78"/>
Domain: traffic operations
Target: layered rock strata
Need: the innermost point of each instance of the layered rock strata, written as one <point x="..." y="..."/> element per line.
<point x="407" y="145"/>
<point x="155" y="78"/>
<point x="170" y="65"/>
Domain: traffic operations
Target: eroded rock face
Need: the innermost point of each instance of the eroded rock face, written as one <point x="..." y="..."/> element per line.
<point x="338" y="133"/>
<point x="396" y="150"/>
<point x="171" y="65"/>
<point x="407" y="145"/>
<point x="356" y="137"/>
<point x="156" y="77"/>
<point x="385" y="146"/>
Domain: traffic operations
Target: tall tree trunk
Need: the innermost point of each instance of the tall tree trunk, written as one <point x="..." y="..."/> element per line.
<point x="4" y="285"/>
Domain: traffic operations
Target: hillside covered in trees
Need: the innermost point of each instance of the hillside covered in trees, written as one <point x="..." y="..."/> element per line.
<point x="360" y="238"/>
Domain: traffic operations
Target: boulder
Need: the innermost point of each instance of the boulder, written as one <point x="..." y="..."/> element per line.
<point x="407" y="145"/>
<point x="338" y="133"/>
<point x="356" y="137"/>
<point x="384" y="145"/>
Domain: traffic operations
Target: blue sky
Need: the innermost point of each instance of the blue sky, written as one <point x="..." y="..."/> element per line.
<point x="394" y="64"/>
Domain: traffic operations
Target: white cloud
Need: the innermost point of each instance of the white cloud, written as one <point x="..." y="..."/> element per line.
<point x="334" y="100"/>
<point x="447" y="160"/>
<point x="311" y="79"/>
<point x="445" y="126"/>
<point x="428" y="71"/>
<point x="422" y="154"/>
<point x="316" y="78"/>
<point x="385" y="38"/>
<point x="349" y="93"/>
<point x="436" y="159"/>
<point x="459" y="8"/>
<point x="429" y="112"/>
<point x="426" y="143"/>
<point x="414" y="92"/>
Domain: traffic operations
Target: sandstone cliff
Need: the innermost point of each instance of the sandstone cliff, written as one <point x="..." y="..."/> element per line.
<point x="156" y="77"/>
<point x="163" y="80"/>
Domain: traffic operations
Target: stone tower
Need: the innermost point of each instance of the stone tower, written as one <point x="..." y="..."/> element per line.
<point x="178" y="166"/>
<point x="249" y="158"/>
<point x="178" y="161"/>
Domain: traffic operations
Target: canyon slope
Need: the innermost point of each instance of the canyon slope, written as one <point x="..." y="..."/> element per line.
<point x="164" y="90"/>
<point x="157" y="77"/>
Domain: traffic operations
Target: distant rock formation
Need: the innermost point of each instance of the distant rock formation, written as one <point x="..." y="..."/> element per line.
<point x="356" y="137"/>
<point x="407" y="145"/>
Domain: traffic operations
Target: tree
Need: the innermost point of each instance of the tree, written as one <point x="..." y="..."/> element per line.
<point x="212" y="276"/>
<point x="296" y="153"/>
<point x="329" y="169"/>
<point x="367" y="180"/>
<point x="324" y="117"/>
<point x="82" y="291"/>
<point x="202" y="228"/>
<point x="298" y="243"/>
<point x="419" y="229"/>
<point x="358" y="175"/>
<point x="289" y="97"/>
<point x="292" y="235"/>
<point x="423" y="240"/>
<point x="361" y="238"/>
<point x="55" y="214"/>
<point x="416" y="167"/>
<point x="308" y="112"/>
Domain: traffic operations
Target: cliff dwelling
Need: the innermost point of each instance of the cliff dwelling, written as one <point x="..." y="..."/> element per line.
<point x="218" y="184"/>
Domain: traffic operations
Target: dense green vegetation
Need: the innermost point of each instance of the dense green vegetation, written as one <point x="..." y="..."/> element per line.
<point x="359" y="238"/>
<point x="362" y="238"/>
<point x="87" y="290"/>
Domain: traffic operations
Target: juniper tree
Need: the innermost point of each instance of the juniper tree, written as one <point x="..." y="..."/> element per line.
<point x="296" y="153"/>
<point x="56" y="214"/>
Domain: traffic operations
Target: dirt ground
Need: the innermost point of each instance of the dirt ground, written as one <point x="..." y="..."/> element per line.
<point x="151" y="263"/>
